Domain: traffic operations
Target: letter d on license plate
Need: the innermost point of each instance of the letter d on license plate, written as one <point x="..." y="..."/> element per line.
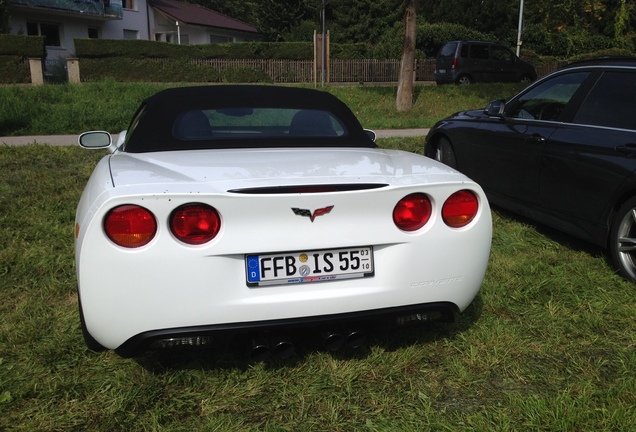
<point x="308" y="266"/>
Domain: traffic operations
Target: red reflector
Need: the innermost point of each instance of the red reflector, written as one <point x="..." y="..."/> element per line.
<point x="460" y="209"/>
<point x="412" y="212"/>
<point x="195" y="224"/>
<point x="130" y="226"/>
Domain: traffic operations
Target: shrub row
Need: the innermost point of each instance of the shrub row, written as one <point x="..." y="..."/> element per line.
<point x="140" y="49"/>
<point x="156" y="70"/>
<point x="14" y="51"/>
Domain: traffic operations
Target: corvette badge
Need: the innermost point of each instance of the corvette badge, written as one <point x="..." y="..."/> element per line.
<point x="309" y="214"/>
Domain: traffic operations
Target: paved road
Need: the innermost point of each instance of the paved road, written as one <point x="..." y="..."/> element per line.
<point x="59" y="140"/>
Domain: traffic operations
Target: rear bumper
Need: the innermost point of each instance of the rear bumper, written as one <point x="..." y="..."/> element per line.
<point x="446" y="78"/>
<point x="222" y="335"/>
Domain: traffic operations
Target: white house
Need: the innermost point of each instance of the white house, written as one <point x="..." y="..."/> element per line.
<point x="62" y="21"/>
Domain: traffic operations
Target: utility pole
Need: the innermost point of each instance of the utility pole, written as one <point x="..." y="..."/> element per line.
<point x="520" y="30"/>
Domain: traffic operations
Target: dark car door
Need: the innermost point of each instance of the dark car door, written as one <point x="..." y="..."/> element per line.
<point x="586" y="161"/>
<point x="509" y="150"/>
<point x="503" y="64"/>
<point x="479" y="64"/>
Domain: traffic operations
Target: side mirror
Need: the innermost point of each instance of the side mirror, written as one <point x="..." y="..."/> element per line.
<point x="495" y="108"/>
<point x="95" y="140"/>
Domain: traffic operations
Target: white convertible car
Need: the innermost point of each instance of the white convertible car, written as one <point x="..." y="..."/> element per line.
<point x="261" y="213"/>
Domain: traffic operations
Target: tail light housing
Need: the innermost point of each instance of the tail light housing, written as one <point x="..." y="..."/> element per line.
<point x="130" y="226"/>
<point x="412" y="212"/>
<point x="195" y="224"/>
<point x="460" y="209"/>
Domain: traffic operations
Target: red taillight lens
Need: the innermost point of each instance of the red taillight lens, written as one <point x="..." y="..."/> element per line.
<point x="460" y="209"/>
<point x="195" y="224"/>
<point x="412" y="212"/>
<point x="130" y="226"/>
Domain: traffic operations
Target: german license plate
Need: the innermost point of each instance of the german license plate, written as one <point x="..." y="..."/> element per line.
<point x="308" y="266"/>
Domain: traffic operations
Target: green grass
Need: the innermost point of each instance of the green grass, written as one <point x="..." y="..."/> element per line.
<point x="549" y="344"/>
<point x="108" y="105"/>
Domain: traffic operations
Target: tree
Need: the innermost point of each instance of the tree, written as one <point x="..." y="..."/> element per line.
<point x="353" y="21"/>
<point x="277" y="18"/>
<point x="4" y="18"/>
<point x="407" y="68"/>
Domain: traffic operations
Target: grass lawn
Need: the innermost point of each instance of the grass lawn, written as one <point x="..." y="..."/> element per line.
<point x="109" y="105"/>
<point x="549" y="343"/>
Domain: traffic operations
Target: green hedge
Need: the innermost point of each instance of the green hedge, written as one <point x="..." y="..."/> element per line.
<point x="163" y="70"/>
<point x="14" y="69"/>
<point x="14" y="52"/>
<point x="138" y="60"/>
<point x="101" y="48"/>
<point x="26" y="46"/>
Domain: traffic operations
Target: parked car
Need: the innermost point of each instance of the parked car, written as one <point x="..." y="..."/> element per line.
<point x="255" y="214"/>
<point x="562" y="152"/>
<point x="466" y="62"/>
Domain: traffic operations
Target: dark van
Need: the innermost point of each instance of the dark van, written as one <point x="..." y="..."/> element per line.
<point x="465" y="62"/>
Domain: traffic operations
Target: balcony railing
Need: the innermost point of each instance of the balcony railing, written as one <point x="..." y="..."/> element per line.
<point x="98" y="8"/>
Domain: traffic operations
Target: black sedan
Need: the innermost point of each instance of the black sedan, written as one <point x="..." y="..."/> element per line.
<point x="562" y="153"/>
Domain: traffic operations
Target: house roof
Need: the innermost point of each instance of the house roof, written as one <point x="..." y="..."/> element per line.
<point x="198" y="15"/>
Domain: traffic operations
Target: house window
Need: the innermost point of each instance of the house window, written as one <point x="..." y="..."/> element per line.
<point x="220" y="39"/>
<point x="93" y="33"/>
<point x="131" y="34"/>
<point x="51" y="32"/>
<point x="129" y="4"/>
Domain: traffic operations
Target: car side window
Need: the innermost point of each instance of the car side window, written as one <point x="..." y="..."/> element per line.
<point x="479" y="51"/>
<point x="611" y="102"/>
<point x="501" y="54"/>
<point x="547" y="100"/>
<point x="464" y="51"/>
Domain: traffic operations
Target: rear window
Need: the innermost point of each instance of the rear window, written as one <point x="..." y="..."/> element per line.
<point x="256" y="122"/>
<point x="448" y="50"/>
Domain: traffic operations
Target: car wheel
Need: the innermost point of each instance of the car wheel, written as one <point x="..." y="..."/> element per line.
<point x="622" y="241"/>
<point x="444" y="153"/>
<point x="464" y="80"/>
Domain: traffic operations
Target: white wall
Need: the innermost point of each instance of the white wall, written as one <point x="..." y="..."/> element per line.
<point x="72" y="27"/>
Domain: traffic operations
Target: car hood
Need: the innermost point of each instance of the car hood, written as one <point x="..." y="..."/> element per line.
<point x="224" y="169"/>
<point x="468" y="115"/>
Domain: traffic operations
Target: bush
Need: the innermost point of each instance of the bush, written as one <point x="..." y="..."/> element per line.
<point x="14" y="69"/>
<point x="429" y="39"/>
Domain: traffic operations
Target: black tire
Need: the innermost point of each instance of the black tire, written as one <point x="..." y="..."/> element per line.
<point x="90" y="342"/>
<point x="622" y="240"/>
<point x="464" y="80"/>
<point x="444" y="153"/>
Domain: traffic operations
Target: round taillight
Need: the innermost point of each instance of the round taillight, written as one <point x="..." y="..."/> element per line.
<point x="412" y="212"/>
<point x="460" y="209"/>
<point x="195" y="224"/>
<point x="130" y="226"/>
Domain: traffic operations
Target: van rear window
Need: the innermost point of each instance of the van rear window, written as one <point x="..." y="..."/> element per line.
<point x="448" y="50"/>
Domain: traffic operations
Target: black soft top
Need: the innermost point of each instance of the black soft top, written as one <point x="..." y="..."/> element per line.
<point x="155" y="126"/>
